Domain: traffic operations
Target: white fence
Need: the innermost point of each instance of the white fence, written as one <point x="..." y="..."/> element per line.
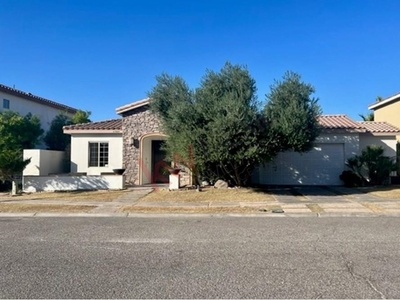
<point x="73" y="183"/>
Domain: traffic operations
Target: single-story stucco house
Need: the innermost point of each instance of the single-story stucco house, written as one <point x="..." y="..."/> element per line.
<point x="133" y="142"/>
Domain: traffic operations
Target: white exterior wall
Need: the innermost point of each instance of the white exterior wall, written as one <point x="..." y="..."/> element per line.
<point x="387" y="142"/>
<point x="80" y="152"/>
<point x="282" y="169"/>
<point x="23" y="106"/>
<point x="33" y="184"/>
<point x="43" y="162"/>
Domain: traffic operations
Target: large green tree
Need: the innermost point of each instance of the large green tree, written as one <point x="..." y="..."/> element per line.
<point x="293" y="113"/>
<point x="219" y="130"/>
<point x="17" y="133"/>
<point x="55" y="139"/>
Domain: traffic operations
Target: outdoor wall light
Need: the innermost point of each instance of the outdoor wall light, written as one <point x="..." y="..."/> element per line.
<point x="135" y="142"/>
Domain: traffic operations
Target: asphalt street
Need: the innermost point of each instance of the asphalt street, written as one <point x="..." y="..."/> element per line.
<point x="200" y="257"/>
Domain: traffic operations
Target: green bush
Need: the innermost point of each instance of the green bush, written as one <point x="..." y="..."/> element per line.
<point x="350" y="179"/>
<point x="372" y="166"/>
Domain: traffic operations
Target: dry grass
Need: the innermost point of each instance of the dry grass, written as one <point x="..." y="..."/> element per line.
<point x="384" y="192"/>
<point x="315" y="208"/>
<point x="192" y="209"/>
<point x="78" y="196"/>
<point x="210" y="195"/>
<point x="23" y="207"/>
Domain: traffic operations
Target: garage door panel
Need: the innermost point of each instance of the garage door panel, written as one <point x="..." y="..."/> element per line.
<point x="320" y="166"/>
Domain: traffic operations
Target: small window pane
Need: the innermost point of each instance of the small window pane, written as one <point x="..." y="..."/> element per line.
<point x="6" y="104"/>
<point x="103" y="155"/>
<point x="98" y="154"/>
<point x="93" y="154"/>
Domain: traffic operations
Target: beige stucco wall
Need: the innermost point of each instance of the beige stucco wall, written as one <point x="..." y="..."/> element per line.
<point x="80" y="152"/>
<point x="389" y="113"/>
<point x="387" y="142"/>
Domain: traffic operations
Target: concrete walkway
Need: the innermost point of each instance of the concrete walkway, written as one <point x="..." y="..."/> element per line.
<point x="294" y="201"/>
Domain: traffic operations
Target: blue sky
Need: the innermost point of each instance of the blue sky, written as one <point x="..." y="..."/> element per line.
<point x="98" y="55"/>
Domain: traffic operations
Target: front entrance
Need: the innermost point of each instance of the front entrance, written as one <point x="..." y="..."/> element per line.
<point x="159" y="166"/>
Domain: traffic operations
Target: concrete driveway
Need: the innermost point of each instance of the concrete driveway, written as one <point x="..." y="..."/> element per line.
<point x="332" y="200"/>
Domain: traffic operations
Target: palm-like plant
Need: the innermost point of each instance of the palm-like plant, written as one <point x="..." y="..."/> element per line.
<point x="367" y="117"/>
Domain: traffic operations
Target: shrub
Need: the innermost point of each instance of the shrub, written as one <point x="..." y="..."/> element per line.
<point x="350" y="179"/>
<point x="374" y="164"/>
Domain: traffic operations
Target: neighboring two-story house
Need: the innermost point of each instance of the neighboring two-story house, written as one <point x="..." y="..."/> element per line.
<point x="24" y="103"/>
<point x="387" y="110"/>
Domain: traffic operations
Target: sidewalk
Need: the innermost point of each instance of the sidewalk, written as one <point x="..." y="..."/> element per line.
<point x="298" y="201"/>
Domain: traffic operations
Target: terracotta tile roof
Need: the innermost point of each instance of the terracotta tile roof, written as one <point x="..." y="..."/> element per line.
<point x="379" y="127"/>
<point x="339" y="122"/>
<point x="37" y="99"/>
<point x="108" y="125"/>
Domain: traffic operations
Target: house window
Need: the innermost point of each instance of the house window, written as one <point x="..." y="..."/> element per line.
<point x="6" y="104"/>
<point x="98" y="154"/>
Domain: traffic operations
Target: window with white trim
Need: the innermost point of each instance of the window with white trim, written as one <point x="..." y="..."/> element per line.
<point x="98" y="154"/>
<point x="6" y="103"/>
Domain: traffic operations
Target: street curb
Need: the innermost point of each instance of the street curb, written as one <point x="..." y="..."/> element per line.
<point x="194" y="215"/>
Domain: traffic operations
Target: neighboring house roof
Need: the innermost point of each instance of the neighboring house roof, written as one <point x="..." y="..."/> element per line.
<point x="384" y="102"/>
<point x="340" y="122"/>
<point x="132" y="106"/>
<point x="37" y="99"/>
<point x="108" y="126"/>
<point x="379" y="127"/>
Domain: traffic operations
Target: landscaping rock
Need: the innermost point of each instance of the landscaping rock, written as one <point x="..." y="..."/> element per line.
<point x="204" y="183"/>
<point x="221" y="184"/>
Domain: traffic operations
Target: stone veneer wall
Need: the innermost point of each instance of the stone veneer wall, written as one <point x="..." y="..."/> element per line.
<point x="136" y="123"/>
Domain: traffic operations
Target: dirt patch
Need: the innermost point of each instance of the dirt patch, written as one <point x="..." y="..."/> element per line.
<point x="384" y="192"/>
<point x="211" y="194"/>
<point x="315" y="208"/>
<point x="373" y="207"/>
<point x="78" y="196"/>
<point x="23" y="207"/>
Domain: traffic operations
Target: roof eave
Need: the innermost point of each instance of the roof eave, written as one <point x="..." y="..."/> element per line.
<point x="38" y="99"/>
<point x="384" y="102"/>
<point x="131" y="106"/>
<point x="342" y="130"/>
<point x="95" y="131"/>
<point x="394" y="134"/>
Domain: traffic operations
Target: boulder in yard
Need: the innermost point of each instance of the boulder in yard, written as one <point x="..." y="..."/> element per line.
<point x="221" y="184"/>
<point x="204" y="183"/>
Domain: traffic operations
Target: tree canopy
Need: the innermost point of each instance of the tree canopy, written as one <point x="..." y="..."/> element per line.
<point x="55" y="139"/>
<point x="219" y="130"/>
<point x="17" y="133"/>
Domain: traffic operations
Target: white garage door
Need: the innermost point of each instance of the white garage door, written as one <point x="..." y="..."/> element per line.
<point x="320" y="166"/>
